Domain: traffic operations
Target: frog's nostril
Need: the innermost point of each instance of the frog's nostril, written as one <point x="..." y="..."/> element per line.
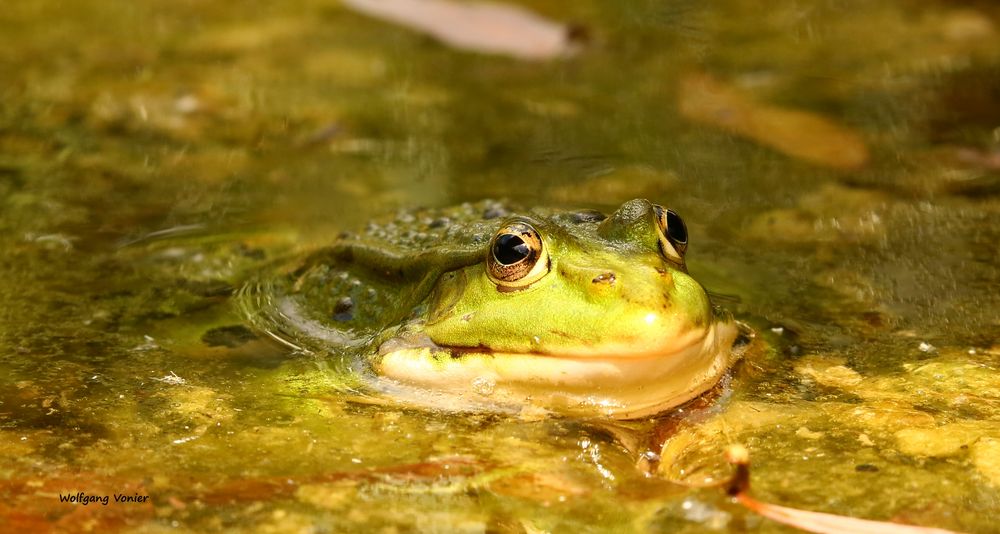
<point x="605" y="278"/>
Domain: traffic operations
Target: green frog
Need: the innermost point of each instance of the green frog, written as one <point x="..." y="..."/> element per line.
<point x="488" y="306"/>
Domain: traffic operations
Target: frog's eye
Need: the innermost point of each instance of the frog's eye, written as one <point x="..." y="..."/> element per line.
<point x="516" y="258"/>
<point x="673" y="233"/>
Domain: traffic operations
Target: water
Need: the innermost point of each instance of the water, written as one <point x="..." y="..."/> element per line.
<point x="153" y="156"/>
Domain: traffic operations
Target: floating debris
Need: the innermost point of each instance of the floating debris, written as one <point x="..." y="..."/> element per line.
<point x="148" y="344"/>
<point x="51" y="241"/>
<point x="166" y="233"/>
<point x="172" y="379"/>
<point x="822" y="523"/>
<point x="485" y="27"/>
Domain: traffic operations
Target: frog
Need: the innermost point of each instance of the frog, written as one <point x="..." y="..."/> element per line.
<point x="491" y="306"/>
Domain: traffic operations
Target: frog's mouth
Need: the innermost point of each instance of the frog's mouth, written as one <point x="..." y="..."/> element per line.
<point x="617" y="383"/>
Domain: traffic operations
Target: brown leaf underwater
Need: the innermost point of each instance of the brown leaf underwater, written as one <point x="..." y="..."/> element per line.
<point x="800" y="134"/>
<point x="485" y="27"/>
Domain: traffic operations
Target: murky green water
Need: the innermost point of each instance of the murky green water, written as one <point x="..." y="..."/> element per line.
<point x="154" y="155"/>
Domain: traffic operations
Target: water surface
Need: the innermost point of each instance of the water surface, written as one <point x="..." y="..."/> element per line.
<point x="155" y="155"/>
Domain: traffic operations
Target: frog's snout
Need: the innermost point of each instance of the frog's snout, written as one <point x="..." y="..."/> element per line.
<point x="582" y="275"/>
<point x="601" y="279"/>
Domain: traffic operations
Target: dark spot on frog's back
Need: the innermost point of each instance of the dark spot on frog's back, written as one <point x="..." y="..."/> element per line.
<point x="495" y="212"/>
<point x="440" y="222"/>
<point x="343" y="310"/>
<point x="228" y="336"/>
<point x="586" y="216"/>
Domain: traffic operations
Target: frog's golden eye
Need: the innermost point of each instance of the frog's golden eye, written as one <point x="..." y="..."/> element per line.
<point x="673" y="233"/>
<point x="516" y="258"/>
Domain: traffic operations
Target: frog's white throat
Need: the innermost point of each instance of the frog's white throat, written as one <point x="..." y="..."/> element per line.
<point x="617" y="386"/>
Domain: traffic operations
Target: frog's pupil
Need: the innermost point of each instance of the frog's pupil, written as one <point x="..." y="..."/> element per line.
<point x="675" y="228"/>
<point x="510" y="249"/>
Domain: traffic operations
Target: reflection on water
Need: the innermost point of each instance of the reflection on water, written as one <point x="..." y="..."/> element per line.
<point x="838" y="164"/>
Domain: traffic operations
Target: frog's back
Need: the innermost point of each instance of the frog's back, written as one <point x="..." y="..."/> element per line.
<point x="344" y="295"/>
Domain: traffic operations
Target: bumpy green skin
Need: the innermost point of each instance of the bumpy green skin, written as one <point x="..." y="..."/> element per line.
<point x="384" y="273"/>
<point x="410" y="298"/>
<point x="609" y="285"/>
<point x="612" y="293"/>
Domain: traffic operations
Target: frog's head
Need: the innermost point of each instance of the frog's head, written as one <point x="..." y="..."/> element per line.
<point x="572" y="312"/>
